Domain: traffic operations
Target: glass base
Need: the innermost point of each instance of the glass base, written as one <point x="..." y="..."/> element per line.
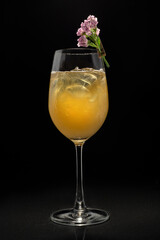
<point x="71" y="218"/>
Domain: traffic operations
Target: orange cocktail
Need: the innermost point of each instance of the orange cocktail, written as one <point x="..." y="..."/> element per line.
<point x="78" y="102"/>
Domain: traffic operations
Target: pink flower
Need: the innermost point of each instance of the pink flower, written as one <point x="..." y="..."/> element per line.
<point x="93" y="21"/>
<point x="97" y="31"/>
<point x="80" y="32"/>
<point x="89" y="36"/>
<point x="85" y="26"/>
<point x="82" y="41"/>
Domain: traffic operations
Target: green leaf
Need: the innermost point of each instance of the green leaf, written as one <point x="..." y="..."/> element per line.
<point x="99" y="41"/>
<point x="92" y="44"/>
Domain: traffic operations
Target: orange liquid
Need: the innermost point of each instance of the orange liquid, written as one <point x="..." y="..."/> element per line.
<point x="78" y="102"/>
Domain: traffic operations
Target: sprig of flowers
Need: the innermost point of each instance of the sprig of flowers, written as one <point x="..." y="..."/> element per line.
<point x="89" y="36"/>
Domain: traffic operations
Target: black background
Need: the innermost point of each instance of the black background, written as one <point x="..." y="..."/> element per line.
<point x="127" y="144"/>
<point x="125" y="151"/>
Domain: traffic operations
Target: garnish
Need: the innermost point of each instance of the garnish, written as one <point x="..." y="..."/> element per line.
<point x="89" y="36"/>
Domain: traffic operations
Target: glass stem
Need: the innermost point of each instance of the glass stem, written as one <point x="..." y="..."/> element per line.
<point x="79" y="205"/>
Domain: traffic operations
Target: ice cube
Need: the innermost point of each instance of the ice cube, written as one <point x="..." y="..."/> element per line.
<point x="82" y="78"/>
<point x="76" y="69"/>
<point x="88" y="78"/>
<point x="87" y="69"/>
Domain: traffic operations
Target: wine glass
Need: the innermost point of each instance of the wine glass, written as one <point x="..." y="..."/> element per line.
<point x="78" y="106"/>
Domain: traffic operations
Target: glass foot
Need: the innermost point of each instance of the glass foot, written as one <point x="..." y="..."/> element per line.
<point x="71" y="218"/>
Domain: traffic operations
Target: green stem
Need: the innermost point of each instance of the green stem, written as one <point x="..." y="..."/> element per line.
<point x="103" y="57"/>
<point x="97" y="45"/>
<point x="105" y="61"/>
<point x="92" y="38"/>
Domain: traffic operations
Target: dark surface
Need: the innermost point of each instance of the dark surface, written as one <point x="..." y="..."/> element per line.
<point x="37" y="172"/>
<point x="134" y="214"/>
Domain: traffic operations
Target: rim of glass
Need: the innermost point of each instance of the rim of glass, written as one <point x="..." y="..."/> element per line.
<point x="77" y="51"/>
